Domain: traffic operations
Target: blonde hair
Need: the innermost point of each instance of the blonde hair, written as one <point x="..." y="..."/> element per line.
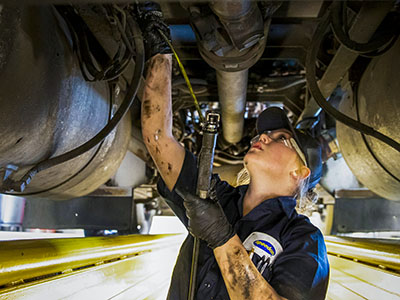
<point x="243" y="177"/>
<point x="306" y="198"/>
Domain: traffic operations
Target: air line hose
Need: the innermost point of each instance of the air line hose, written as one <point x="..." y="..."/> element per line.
<point x="319" y="98"/>
<point x="183" y="71"/>
<point x="384" y="41"/>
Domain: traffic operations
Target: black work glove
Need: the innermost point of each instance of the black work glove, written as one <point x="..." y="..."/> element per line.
<point x="207" y="220"/>
<point x="151" y="21"/>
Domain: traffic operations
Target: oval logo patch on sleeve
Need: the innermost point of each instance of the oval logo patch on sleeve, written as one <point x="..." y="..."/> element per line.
<point x="266" y="246"/>
<point x="263" y="245"/>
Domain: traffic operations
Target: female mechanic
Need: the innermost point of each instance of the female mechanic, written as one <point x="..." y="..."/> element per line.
<point x="254" y="245"/>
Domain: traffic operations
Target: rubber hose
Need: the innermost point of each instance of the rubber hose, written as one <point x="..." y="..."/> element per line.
<point x="344" y="39"/>
<point x="319" y="98"/>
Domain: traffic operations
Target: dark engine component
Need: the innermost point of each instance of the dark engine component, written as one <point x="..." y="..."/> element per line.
<point x="231" y="41"/>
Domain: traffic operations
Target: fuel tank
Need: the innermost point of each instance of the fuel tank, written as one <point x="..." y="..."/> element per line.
<point x="47" y="108"/>
<point x="376" y="103"/>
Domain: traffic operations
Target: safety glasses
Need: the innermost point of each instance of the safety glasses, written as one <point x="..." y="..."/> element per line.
<point x="284" y="138"/>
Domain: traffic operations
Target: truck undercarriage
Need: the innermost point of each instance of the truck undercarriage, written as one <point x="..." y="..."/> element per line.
<point x="70" y="96"/>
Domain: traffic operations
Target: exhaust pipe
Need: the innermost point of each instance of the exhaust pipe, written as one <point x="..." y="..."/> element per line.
<point x="232" y="89"/>
<point x="230" y="40"/>
<point x="232" y="86"/>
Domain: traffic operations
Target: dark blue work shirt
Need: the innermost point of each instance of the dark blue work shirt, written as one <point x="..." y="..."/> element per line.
<point x="285" y="247"/>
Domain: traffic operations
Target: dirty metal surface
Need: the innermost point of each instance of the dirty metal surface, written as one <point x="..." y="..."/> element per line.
<point x="47" y="108"/>
<point x="375" y="164"/>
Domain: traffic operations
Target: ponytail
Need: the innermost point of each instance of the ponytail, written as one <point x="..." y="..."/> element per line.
<point x="306" y="198"/>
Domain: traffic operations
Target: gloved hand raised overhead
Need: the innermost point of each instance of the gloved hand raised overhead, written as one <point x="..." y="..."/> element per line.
<point x="207" y="220"/>
<point x="150" y="19"/>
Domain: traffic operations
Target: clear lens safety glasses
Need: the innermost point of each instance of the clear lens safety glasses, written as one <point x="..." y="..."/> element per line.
<point x="288" y="142"/>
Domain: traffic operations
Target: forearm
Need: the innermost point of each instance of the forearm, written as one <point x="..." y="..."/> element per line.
<point x="156" y="105"/>
<point x="242" y="279"/>
<point x="156" y="120"/>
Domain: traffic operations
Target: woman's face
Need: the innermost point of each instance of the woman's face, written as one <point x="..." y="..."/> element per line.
<point x="270" y="155"/>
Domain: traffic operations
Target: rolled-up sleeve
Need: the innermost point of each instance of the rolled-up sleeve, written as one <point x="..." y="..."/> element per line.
<point x="187" y="180"/>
